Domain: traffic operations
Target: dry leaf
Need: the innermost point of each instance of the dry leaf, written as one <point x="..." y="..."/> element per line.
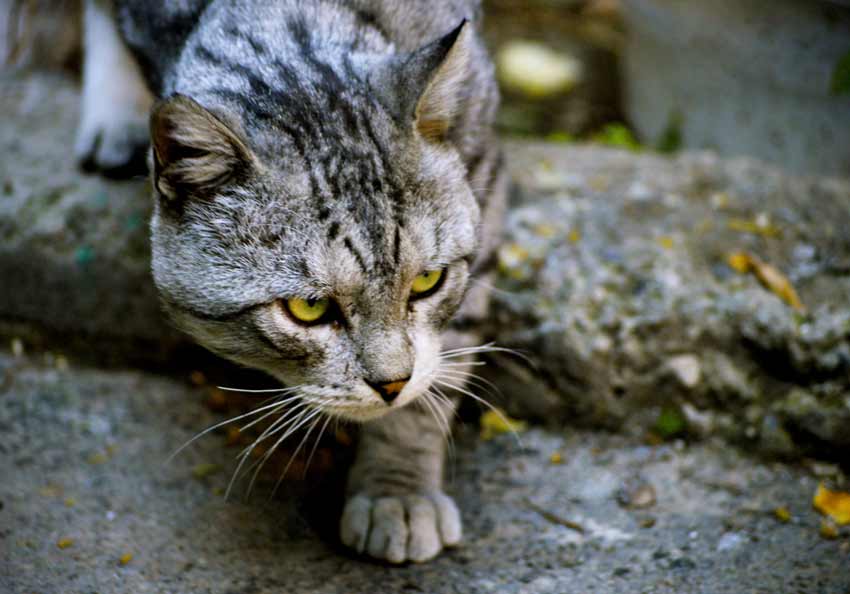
<point x="756" y="227"/>
<point x="232" y="436"/>
<point x="125" y="558"/>
<point x="771" y="278"/>
<point x="739" y="262"/>
<point x="64" y="543"/>
<point x="205" y="469"/>
<point x="782" y="514"/>
<point x="835" y="504"/>
<point x="545" y="230"/>
<point x="494" y="422"/>
<point x="828" y="529"/>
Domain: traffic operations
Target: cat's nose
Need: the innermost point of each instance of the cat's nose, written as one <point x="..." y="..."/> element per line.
<point x="389" y="390"/>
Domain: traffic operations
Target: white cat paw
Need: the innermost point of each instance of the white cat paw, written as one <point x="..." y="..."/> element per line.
<point x="113" y="142"/>
<point x="401" y="528"/>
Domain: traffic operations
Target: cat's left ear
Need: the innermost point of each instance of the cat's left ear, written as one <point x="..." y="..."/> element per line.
<point x="427" y="85"/>
<point x="194" y="150"/>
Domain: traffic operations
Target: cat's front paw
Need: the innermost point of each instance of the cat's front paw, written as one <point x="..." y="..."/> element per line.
<point x="402" y="527"/>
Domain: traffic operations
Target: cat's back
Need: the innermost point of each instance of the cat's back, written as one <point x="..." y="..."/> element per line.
<point x="158" y="33"/>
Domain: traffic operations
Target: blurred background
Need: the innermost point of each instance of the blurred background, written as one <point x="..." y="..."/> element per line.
<point x="661" y="75"/>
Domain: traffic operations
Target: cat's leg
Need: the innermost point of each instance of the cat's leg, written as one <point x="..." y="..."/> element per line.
<point x="396" y="509"/>
<point x="113" y="132"/>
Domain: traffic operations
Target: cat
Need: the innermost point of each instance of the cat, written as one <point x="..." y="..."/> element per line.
<point x="328" y="194"/>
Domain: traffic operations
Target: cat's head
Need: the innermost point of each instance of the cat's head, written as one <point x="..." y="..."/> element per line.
<point x="322" y="233"/>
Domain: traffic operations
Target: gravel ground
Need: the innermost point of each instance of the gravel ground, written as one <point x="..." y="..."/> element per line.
<point x="82" y="462"/>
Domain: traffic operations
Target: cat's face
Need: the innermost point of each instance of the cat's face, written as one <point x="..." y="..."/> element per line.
<point x="336" y="278"/>
<point x="326" y="240"/>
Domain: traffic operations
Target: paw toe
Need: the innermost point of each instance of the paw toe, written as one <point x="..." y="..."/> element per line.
<point x="398" y="529"/>
<point x="388" y="538"/>
<point x="451" y="530"/>
<point x="424" y="540"/>
<point x="354" y="526"/>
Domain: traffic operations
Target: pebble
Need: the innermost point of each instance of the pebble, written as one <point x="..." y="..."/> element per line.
<point x="686" y="368"/>
<point x="730" y="541"/>
<point x="636" y="493"/>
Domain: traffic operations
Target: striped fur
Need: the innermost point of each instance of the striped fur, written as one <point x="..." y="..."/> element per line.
<point x="330" y="148"/>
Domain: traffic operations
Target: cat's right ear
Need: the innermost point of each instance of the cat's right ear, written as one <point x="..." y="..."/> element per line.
<point x="194" y="151"/>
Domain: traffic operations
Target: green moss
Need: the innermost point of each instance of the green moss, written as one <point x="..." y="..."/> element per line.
<point x="618" y="135"/>
<point x="560" y="136"/>
<point x="670" y="423"/>
<point x="671" y="138"/>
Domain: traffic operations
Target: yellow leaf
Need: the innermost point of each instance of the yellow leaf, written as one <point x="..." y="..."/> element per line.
<point x="544" y="230"/>
<point x="556" y="458"/>
<point x="125" y="558"/>
<point x="205" y="469"/>
<point x="739" y="262"/>
<point x="665" y="242"/>
<point x="828" y="529"/>
<point x="574" y="236"/>
<point x="782" y="514"/>
<point x="770" y="277"/>
<point x="760" y="226"/>
<point x="835" y="504"/>
<point x="494" y="422"/>
<point x="64" y="543"/>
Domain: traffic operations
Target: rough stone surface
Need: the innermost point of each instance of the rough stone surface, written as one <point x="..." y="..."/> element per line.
<point x="615" y="280"/>
<point x="82" y="455"/>
<point x="74" y="253"/>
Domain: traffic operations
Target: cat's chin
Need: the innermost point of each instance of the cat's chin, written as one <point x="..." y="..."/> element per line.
<point x="359" y="414"/>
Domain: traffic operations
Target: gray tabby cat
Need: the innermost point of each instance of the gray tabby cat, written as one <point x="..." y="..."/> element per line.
<point x="327" y="187"/>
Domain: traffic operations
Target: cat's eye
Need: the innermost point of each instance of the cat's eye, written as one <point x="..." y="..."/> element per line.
<point x="308" y="311"/>
<point x="426" y="283"/>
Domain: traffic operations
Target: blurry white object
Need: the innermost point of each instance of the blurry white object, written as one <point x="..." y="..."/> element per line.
<point x="536" y="70"/>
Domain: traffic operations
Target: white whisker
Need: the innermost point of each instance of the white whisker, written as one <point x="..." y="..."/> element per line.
<point x="484" y="348"/>
<point x="295" y="453"/>
<point x="267" y="391"/>
<point x="477" y="398"/>
<point x="316" y="445"/>
<point x="486" y="385"/>
<point x="286" y="419"/>
<point x="274" y="405"/>
<point x="441" y="420"/>
<point x="312" y="413"/>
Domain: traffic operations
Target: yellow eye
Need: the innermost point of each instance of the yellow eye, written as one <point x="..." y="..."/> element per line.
<point x="425" y="282"/>
<point x="308" y="310"/>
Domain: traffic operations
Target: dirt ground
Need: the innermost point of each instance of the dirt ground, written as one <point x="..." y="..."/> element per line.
<point x="87" y="504"/>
